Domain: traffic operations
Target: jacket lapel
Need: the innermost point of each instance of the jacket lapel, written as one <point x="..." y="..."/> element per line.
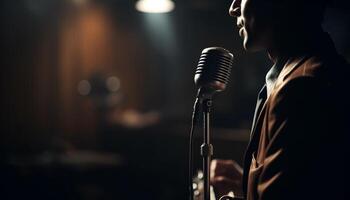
<point x="254" y="138"/>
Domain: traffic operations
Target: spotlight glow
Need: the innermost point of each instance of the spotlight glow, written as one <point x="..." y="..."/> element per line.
<point x="155" y="6"/>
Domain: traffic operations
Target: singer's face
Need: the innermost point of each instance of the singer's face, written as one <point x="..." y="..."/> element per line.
<point x="254" y="22"/>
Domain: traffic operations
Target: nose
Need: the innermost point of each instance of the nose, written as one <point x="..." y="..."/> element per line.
<point x="235" y="8"/>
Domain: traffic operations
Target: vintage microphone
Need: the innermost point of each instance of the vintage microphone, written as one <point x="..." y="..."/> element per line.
<point x="213" y="71"/>
<point x="211" y="76"/>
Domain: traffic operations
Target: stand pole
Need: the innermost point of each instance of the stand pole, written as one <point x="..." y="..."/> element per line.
<point x="206" y="147"/>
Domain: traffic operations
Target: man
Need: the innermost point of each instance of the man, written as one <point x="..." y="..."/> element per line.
<point x="301" y="125"/>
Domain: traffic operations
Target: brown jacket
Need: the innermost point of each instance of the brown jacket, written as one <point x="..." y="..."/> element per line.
<point x="300" y="133"/>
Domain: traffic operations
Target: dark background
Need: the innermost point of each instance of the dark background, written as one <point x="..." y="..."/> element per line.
<point x="96" y="97"/>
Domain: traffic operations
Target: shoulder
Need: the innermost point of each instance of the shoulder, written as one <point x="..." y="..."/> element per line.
<point x="328" y="68"/>
<point x="327" y="73"/>
<point x="311" y="82"/>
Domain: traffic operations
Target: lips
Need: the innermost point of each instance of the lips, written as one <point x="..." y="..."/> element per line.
<point x="240" y="28"/>
<point x="240" y="23"/>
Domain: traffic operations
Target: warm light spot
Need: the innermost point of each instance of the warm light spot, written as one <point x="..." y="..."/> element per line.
<point x="155" y="6"/>
<point x="113" y="84"/>
<point x="84" y="87"/>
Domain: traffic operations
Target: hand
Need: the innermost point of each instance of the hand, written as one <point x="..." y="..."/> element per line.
<point x="225" y="177"/>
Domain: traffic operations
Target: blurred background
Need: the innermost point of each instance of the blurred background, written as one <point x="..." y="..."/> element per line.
<point x="96" y="96"/>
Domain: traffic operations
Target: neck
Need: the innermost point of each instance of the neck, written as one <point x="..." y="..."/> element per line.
<point x="293" y="44"/>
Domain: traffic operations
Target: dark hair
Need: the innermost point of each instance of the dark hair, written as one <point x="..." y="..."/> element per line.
<point x="312" y="10"/>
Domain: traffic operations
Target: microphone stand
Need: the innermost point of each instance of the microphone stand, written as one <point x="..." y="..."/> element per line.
<point x="206" y="147"/>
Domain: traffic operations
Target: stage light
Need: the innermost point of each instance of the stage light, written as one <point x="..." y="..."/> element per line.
<point x="155" y="6"/>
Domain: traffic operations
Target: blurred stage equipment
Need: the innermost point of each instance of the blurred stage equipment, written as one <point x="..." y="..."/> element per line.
<point x="211" y="76"/>
<point x="105" y="91"/>
<point x="155" y="6"/>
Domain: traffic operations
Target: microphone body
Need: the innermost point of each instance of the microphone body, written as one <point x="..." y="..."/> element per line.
<point x="213" y="71"/>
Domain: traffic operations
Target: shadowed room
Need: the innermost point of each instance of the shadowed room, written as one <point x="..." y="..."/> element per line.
<point x="97" y="95"/>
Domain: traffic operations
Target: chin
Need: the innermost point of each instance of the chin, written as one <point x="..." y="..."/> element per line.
<point x="251" y="46"/>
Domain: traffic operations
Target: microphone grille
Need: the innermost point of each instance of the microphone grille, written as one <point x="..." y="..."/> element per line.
<point x="214" y="68"/>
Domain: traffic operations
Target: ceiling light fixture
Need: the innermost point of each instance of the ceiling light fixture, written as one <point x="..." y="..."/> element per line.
<point x="155" y="6"/>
